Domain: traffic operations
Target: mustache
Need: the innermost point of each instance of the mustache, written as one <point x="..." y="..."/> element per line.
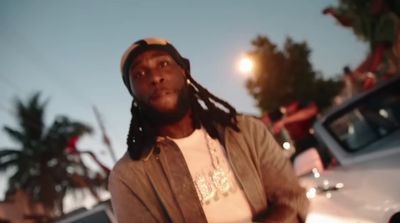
<point x="158" y="118"/>
<point x="158" y="92"/>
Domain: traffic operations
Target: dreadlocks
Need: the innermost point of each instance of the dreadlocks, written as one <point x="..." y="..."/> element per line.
<point x="208" y="111"/>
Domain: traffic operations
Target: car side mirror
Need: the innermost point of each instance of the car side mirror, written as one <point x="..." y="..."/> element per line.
<point x="307" y="162"/>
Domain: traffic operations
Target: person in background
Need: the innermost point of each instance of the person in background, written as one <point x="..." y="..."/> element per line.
<point x="190" y="156"/>
<point x="298" y="118"/>
<point x="351" y="86"/>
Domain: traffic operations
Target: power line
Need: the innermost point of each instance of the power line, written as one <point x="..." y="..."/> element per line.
<point x="10" y="84"/>
<point x="106" y="139"/>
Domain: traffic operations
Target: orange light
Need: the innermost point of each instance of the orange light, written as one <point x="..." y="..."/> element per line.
<point x="246" y="65"/>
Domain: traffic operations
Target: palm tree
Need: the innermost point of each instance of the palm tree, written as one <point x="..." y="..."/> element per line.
<point x="41" y="164"/>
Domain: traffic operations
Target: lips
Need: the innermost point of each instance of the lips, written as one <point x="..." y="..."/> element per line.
<point x="159" y="93"/>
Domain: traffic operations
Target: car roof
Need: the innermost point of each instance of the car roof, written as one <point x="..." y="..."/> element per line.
<point x="353" y="101"/>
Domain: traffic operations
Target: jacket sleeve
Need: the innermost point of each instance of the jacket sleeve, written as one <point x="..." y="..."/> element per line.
<point x="126" y="205"/>
<point x="286" y="199"/>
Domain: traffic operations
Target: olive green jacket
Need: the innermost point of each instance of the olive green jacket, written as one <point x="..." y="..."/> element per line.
<point x="159" y="187"/>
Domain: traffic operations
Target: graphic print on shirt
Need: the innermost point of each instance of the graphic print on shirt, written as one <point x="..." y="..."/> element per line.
<point x="216" y="181"/>
<point x="213" y="178"/>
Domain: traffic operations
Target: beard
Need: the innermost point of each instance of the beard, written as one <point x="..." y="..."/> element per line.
<point x="159" y="118"/>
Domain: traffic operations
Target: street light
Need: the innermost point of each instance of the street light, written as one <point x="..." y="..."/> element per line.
<point x="246" y="65"/>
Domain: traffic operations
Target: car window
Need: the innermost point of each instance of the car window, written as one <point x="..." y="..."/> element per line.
<point x="369" y="120"/>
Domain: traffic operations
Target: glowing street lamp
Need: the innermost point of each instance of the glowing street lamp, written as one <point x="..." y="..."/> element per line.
<point x="246" y="65"/>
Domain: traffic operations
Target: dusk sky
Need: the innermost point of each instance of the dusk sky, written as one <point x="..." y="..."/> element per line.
<point x="70" y="51"/>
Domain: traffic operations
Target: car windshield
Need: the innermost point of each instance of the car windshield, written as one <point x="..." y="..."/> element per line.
<point x="368" y="120"/>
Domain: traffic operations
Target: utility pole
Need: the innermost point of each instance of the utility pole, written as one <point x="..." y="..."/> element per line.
<point x="106" y="139"/>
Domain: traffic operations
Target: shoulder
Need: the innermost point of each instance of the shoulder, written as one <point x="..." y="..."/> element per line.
<point x="251" y="129"/>
<point x="126" y="168"/>
<point x="248" y="123"/>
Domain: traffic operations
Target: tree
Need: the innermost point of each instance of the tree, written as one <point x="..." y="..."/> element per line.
<point x="41" y="164"/>
<point x="366" y="17"/>
<point x="377" y="23"/>
<point x="284" y="75"/>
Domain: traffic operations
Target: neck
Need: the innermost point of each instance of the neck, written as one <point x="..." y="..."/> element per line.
<point x="179" y="129"/>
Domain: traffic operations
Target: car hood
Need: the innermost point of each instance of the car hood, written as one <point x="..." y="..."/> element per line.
<point x="370" y="192"/>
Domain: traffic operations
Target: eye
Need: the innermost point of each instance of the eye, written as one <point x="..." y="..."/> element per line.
<point x="164" y="63"/>
<point x="138" y="74"/>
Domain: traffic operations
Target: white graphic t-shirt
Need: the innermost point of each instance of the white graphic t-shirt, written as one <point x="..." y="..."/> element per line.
<point x="222" y="198"/>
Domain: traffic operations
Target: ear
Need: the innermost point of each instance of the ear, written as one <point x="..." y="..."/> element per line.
<point x="130" y="85"/>
<point x="183" y="72"/>
<point x="187" y="65"/>
<point x="186" y="75"/>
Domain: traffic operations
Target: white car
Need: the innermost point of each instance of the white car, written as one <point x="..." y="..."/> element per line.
<point x="363" y="138"/>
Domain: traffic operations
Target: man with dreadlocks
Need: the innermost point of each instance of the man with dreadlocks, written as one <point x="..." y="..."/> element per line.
<point x="191" y="157"/>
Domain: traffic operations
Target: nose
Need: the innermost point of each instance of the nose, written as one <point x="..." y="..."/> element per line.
<point x="156" y="77"/>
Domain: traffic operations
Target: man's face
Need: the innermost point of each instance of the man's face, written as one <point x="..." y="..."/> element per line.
<point x="159" y="85"/>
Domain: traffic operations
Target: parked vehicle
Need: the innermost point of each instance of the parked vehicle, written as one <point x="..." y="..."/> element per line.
<point x="363" y="138"/>
<point x="101" y="213"/>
